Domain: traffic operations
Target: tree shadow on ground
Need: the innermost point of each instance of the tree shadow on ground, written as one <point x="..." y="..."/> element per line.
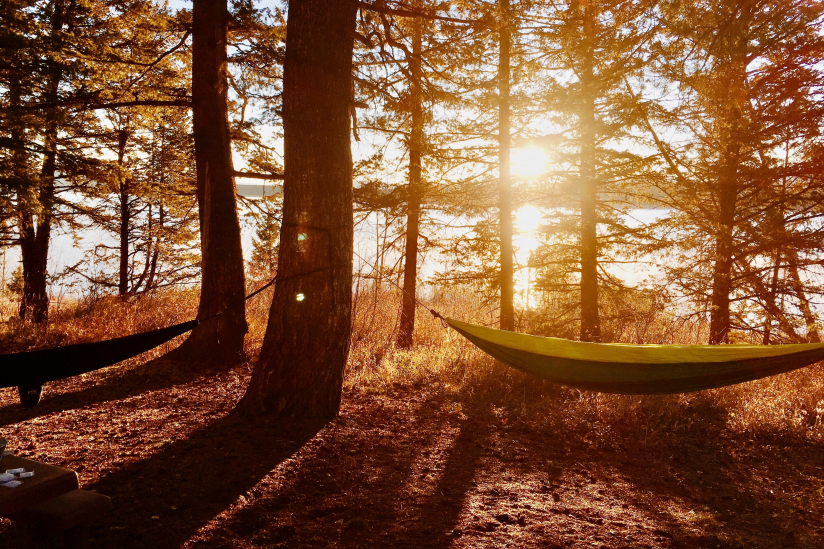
<point x="114" y="384"/>
<point x="393" y="475"/>
<point x="440" y="512"/>
<point x="163" y="500"/>
<point x="727" y="500"/>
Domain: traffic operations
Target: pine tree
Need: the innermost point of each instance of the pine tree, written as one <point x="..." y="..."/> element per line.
<point x="296" y="374"/>
<point x="748" y="81"/>
<point x="219" y="341"/>
<point x="594" y="48"/>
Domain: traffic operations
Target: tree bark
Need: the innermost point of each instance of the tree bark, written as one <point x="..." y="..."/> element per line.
<point x="156" y="251"/>
<point x="803" y="303"/>
<point x="300" y="370"/>
<point x="25" y="195"/>
<point x="724" y="247"/>
<point x="507" y="281"/>
<point x="590" y="319"/>
<point x="123" y="187"/>
<point x="413" y="210"/>
<point x="219" y="340"/>
<point x="772" y="294"/>
<point x="728" y="187"/>
<point x="35" y="222"/>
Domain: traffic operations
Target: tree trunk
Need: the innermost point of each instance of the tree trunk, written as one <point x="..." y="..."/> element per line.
<point x="728" y="188"/>
<point x="590" y="319"/>
<point x="25" y="192"/>
<point x="722" y="269"/>
<point x="219" y="340"/>
<point x="505" y="180"/>
<point x="123" y="184"/>
<point x="413" y="211"/>
<point x="156" y="252"/>
<point x="300" y="371"/>
<point x="803" y="303"/>
<point x="797" y="284"/>
<point x="35" y="226"/>
<point x="768" y="296"/>
<point x="773" y="293"/>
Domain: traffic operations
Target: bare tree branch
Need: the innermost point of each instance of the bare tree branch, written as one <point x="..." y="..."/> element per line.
<point x="415" y="13"/>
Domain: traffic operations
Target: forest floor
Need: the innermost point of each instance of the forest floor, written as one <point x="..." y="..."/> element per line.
<point x="411" y="465"/>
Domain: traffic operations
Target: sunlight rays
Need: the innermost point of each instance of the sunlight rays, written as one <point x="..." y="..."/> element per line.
<point x="528" y="162"/>
<point x="527" y="220"/>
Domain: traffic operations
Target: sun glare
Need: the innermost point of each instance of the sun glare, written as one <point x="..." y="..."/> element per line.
<point x="530" y="162"/>
<point x="528" y="218"/>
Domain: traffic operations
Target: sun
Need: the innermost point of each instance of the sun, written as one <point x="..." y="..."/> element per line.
<point x="528" y="218"/>
<point x="528" y="162"/>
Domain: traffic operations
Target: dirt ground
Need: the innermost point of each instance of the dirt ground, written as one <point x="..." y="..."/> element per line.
<point x="408" y="467"/>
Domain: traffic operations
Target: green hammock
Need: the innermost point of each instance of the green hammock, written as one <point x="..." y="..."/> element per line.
<point x="638" y="369"/>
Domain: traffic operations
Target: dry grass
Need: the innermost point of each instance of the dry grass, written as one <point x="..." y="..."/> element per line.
<point x="792" y="403"/>
<point x="442" y="361"/>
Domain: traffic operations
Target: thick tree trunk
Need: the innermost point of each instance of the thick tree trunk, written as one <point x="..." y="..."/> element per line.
<point x="413" y="210"/>
<point x="35" y="253"/>
<point x="300" y="370"/>
<point x="219" y="340"/>
<point x="25" y="193"/>
<point x="590" y="319"/>
<point x="728" y="188"/>
<point x="730" y="103"/>
<point x="35" y="219"/>
<point x="507" y="281"/>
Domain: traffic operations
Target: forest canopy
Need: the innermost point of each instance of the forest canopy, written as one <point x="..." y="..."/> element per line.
<point x="575" y="164"/>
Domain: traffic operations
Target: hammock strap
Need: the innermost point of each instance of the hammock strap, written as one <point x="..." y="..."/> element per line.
<point x="267" y="285"/>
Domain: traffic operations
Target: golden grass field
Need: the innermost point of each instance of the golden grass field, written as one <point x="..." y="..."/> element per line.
<point x="792" y="402"/>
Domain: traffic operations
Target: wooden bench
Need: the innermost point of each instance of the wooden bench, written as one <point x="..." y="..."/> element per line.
<point x="64" y="518"/>
<point x="50" y="504"/>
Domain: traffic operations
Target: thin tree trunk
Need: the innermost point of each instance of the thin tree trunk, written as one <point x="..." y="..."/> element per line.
<point x="505" y="180"/>
<point x="803" y="302"/>
<point x="773" y="293"/>
<point x="220" y="339"/>
<point x="125" y="221"/>
<point x="722" y="268"/>
<point x="300" y="371"/>
<point x="413" y="211"/>
<point x="798" y="286"/>
<point x="148" y="251"/>
<point x="590" y="319"/>
<point x="156" y="253"/>
<point x="768" y="298"/>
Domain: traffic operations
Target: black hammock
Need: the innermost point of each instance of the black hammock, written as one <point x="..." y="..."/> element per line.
<point x="28" y="371"/>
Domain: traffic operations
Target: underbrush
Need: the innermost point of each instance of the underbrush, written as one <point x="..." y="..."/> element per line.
<point x="442" y="362"/>
<point x="790" y="404"/>
<point x="86" y="320"/>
